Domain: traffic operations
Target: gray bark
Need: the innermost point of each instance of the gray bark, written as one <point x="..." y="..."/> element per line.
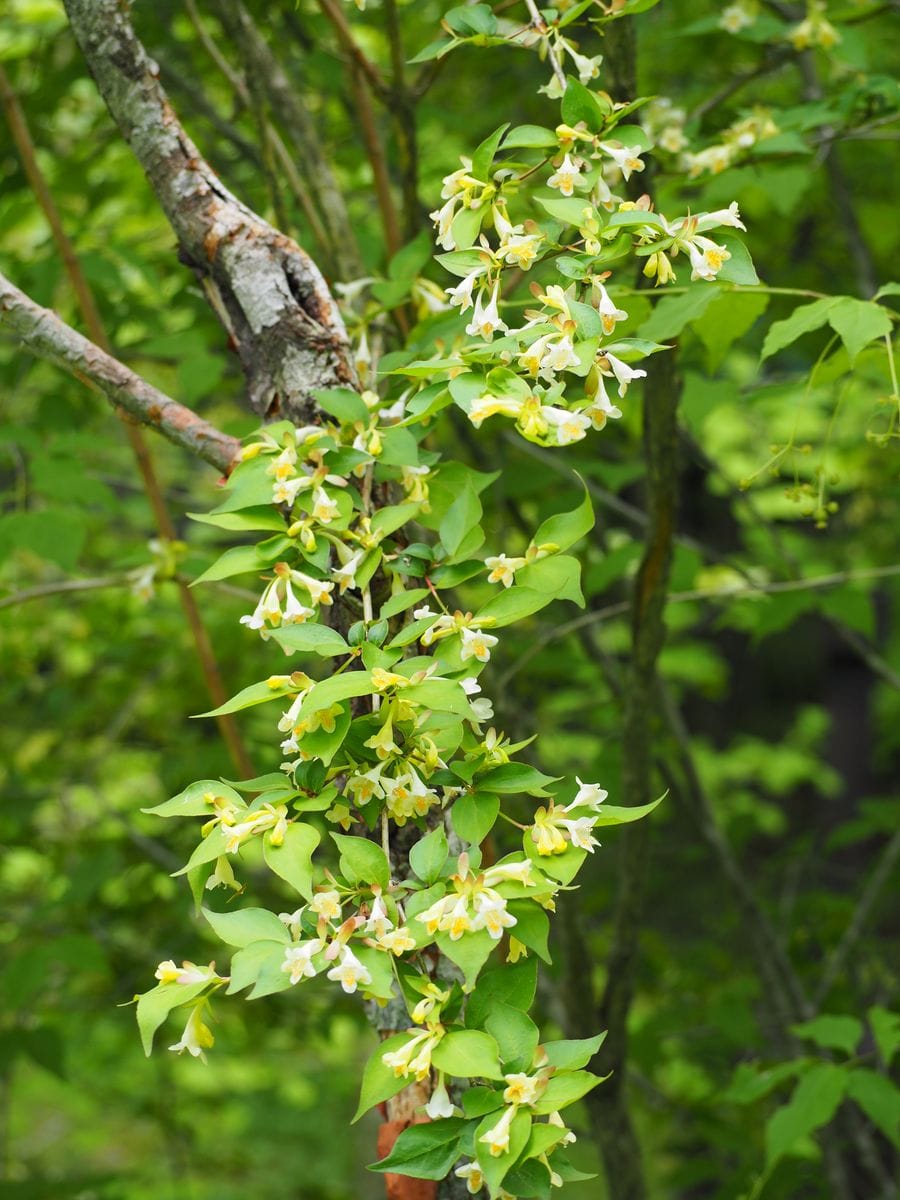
<point x="266" y="290"/>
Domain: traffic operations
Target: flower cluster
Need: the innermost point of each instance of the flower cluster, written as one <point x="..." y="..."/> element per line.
<point x="367" y="534"/>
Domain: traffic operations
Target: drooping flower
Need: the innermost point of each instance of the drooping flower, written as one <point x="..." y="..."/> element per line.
<point x="197" y="1036"/>
<point x="503" y="569"/>
<point x="298" y="959"/>
<point x="565" y="177"/>
<point x="486" y="319"/>
<point x="350" y="972"/>
<point x="497" y="1138"/>
<point x="476" y="644"/>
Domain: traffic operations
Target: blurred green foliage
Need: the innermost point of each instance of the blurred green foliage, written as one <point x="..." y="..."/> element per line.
<point x="791" y="702"/>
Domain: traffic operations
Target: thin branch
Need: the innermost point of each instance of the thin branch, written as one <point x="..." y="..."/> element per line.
<point x="842" y="951"/>
<point x="720" y="596"/>
<point x="540" y="26"/>
<point x="46" y="336"/>
<point x="62" y="587"/>
<point x="350" y="46"/>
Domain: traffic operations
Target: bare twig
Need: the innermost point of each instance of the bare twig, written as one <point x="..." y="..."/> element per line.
<point x="540" y="26"/>
<point x="45" y="335"/>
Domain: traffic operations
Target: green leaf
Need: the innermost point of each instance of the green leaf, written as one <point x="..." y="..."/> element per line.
<point x="154" y="1006"/>
<point x="441" y="695"/>
<point x="333" y="690"/>
<point x="344" y="403"/>
<point x="879" y="1099"/>
<point x="513" y="604"/>
<point x="310" y="637"/>
<point x="579" y="104"/>
<point x="463" y="514"/>
<point x="564" y="529"/>
<point x="470" y="953"/>
<point x="292" y="860"/>
<point x="256" y="693"/>
<point x="570" y="1055"/>
<point x="474" y="815"/>
<point x="814" y="1102"/>
<point x="515" y="1033"/>
<point x="463" y="262"/>
<point x="484" y="154"/>
<point x="471" y="18"/>
<point x="255" y="962"/>
<point x="465" y="228"/>
<point x="832" y="1032"/>
<point x="729" y="318"/>
<point x="402" y="601"/>
<point x="568" y="209"/>
<point x="532" y="926"/>
<point x="610" y="814"/>
<point x="858" y="322"/>
<point x="247" y="520"/>
<point x="429" y="854"/>
<point x="192" y="801"/>
<point x="468" y="1054"/>
<point x="379" y="1083"/>
<point x="559" y="575"/>
<point x="885" y="1027"/>
<point x="362" y="861"/>
<point x="635" y="218"/>
<point x="530" y="137"/>
<point x="739" y="268"/>
<point x="246" y="925"/>
<point x="673" y="313"/>
<point x="510" y="778"/>
<point x="565" y="1089"/>
<point x="513" y="984"/>
<point x="425" y="1151"/>
<point x="802" y="320"/>
<point x="237" y="561"/>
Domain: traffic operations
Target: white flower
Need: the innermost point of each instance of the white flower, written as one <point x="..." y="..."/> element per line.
<point x="609" y="314"/>
<point x="626" y="158"/>
<point x="489" y="406"/>
<point x="363" y="785"/>
<point x="324" y="509"/>
<point x="707" y="258"/>
<point x="473" y="1175"/>
<point x="503" y="569"/>
<point x="462" y="293"/>
<point x="522" y="1088"/>
<point x="476" y="644"/>
<point x="295" y="613"/>
<point x="519" y="248"/>
<point x="602" y="408"/>
<point x="558" y="355"/>
<point x="497" y="1138"/>
<point x="292" y="920"/>
<point x="519" y="872"/>
<point x="569" y="426"/>
<point x="589" y="795"/>
<point x="285" y="491"/>
<point x="350" y="972"/>
<point x="581" y="833"/>
<point x="298" y="959"/>
<point x="443" y="218"/>
<point x="327" y="905"/>
<point x="486" y="319"/>
<point x="587" y="68"/>
<point x="440" y="1104"/>
<point x="379" y="922"/>
<point x="397" y="941"/>
<point x="566" y="176"/>
<point x="491" y="914"/>
<point x="730" y="216"/>
<point x="188" y="972"/>
<point x="623" y="373"/>
<point x="197" y="1037"/>
<point x="345" y="576"/>
<point x="319" y="592"/>
<point x="736" y="17"/>
<point x="419" y="614"/>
